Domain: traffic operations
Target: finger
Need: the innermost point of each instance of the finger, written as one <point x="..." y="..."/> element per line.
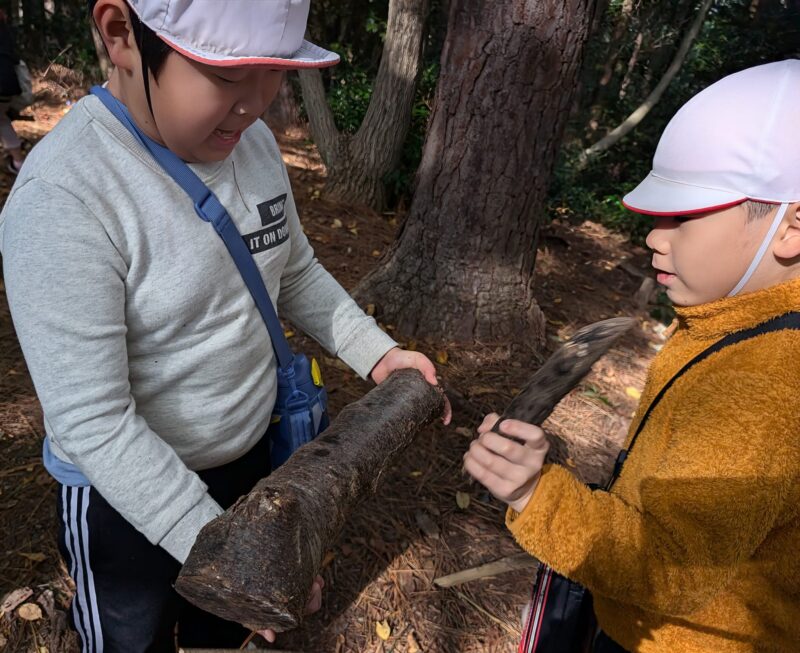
<point x="495" y="483"/>
<point x="424" y="365"/>
<point x="314" y="602"/>
<point x="532" y="435"/>
<point x="268" y="634"/>
<point x="319" y="580"/>
<point x="447" y="416"/>
<point x="515" y="474"/>
<point x="513" y="451"/>
<point x="488" y="422"/>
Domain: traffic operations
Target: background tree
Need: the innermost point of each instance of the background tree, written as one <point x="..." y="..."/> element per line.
<point x="617" y="78"/>
<point x="627" y="125"/>
<point x="462" y="266"/>
<point x="284" y="111"/>
<point x="358" y="163"/>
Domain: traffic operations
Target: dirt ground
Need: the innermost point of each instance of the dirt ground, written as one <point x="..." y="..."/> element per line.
<point x="383" y="567"/>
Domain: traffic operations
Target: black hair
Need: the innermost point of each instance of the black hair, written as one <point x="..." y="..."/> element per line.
<point x="757" y="210"/>
<point x="152" y="49"/>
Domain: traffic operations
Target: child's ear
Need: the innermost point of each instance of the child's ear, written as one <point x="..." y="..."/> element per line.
<point x="113" y="22"/>
<point x="788" y="244"/>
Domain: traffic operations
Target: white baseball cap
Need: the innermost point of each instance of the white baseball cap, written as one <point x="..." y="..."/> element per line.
<point x="236" y="32"/>
<point x="737" y="140"/>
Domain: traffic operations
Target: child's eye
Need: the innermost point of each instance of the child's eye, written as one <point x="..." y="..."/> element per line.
<point x="226" y="80"/>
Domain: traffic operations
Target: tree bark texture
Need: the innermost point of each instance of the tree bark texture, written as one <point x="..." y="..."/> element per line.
<point x="462" y="266"/>
<point x="358" y="163"/>
<point x="256" y="562"/>
<point x="283" y="113"/>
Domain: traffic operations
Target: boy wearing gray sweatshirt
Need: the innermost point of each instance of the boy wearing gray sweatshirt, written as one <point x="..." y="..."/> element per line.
<point x="153" y="366"/>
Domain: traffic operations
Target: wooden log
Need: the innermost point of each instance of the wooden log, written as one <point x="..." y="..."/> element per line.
<point x="256" y="562"/>
<point x="589" y="457"/>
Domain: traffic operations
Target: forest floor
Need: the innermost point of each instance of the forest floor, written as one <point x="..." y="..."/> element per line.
<point x="381" y="571"/>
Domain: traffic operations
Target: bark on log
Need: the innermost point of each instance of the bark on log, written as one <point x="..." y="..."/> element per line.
<point x="587" y="458"/>
<point x="256" y="562"/>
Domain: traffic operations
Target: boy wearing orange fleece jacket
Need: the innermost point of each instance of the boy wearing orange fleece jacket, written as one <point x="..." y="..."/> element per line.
<point x="694" y="548"/>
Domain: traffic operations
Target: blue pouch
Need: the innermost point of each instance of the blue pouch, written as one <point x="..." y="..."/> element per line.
<point x="301" y="409"/>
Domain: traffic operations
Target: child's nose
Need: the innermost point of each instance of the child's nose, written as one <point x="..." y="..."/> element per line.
<point x="657" y="239"/>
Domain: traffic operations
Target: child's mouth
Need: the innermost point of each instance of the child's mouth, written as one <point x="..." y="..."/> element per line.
<point x="228" y="136"/>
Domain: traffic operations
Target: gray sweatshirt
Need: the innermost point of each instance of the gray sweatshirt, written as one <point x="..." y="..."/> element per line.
<point x="148" y="354"/>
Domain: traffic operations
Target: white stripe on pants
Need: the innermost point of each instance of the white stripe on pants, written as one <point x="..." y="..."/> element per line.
<point x="84" y="605"/>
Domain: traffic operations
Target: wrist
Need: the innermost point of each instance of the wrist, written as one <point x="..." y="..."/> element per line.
<point x="518" y="505"/>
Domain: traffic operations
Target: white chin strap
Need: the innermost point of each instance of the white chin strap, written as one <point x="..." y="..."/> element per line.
<point x="776" y="221"/>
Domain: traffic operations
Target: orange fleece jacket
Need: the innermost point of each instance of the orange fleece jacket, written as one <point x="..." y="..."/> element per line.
<point x="697" y="546"/>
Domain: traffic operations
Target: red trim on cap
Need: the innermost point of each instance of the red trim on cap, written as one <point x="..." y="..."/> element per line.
<point x="287" y="64"/>
<point x="718" y="207"/>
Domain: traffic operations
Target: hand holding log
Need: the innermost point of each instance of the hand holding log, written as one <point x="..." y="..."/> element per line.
<point x="592" y="462"/>
<point x="256" y="562"/>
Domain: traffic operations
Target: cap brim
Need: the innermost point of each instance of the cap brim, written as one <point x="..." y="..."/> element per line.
<point x="308" y="56"/>
<point x="659" y="196"/>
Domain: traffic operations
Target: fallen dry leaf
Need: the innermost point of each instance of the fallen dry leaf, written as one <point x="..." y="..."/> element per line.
<point x="383" y="629"/>
<point x="413" y="646"/>
<point x="35" y="557"/>
<point x="330" y="556"/>
<point x="15" y="598"/>
<point x="441" y="357"/>
<point x="633" y="392"/>
<point x="462" y="500"/>
<point x="30" y="612"/>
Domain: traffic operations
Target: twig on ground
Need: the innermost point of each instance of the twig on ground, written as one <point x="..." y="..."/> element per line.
<point x="501" y="566"/>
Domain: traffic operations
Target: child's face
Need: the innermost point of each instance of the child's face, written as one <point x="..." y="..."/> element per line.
<point x="701" y="258"/>
<point x="201" y="111"/>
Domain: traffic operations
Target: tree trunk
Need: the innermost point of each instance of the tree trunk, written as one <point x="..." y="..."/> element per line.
<point x="357" y="164"/>
<point x="627" y="125"/>
<point x="256" y="562"/>
<point x="283" y="113"/>
<point x="462" y="266"/>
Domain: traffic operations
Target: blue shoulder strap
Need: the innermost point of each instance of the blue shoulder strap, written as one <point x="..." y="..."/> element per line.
<point x="210" y="209"/>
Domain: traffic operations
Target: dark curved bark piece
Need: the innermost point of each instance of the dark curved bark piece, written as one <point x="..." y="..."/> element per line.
<point x="256" y="562"/>
<point x="590" y="461"/>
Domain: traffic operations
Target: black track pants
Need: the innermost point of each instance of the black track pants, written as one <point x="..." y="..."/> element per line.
<point x="124" y="600"/>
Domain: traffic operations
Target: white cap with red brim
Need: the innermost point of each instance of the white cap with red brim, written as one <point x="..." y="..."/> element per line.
<point x="236" y="32"/>
<point x="736" y="140"/>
